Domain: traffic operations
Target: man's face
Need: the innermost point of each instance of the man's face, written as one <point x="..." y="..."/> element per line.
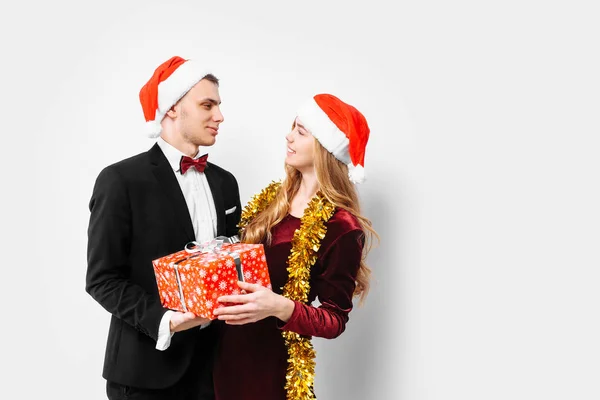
<point x="199" y="114"/>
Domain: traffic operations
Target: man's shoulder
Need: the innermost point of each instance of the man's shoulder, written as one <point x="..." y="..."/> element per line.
<point x="135" y="161"/>
<point x="222" y="172"/>
<point x="127" y="168"/>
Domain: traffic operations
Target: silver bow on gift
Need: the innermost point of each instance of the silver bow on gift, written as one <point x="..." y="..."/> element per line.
<point x="214" y="246"/>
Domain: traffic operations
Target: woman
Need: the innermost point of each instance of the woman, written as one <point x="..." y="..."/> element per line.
<point x="314" y="238"/>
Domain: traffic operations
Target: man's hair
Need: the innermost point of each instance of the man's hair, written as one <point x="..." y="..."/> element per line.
<point x="211" y="78"/>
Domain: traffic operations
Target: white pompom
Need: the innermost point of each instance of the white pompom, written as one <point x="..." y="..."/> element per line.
<point x="153" y="129"/>
<point x="356" y="173"/>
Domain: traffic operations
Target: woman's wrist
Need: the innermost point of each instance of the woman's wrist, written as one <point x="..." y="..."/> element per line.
<point x="285" y="308"/>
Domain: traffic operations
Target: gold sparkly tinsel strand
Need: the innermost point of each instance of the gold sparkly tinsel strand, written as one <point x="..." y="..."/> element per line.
<point x="257" y="203"/>
<point x="306" y="242"/>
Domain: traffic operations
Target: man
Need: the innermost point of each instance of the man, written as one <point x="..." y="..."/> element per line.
<point x="148" y="206"/>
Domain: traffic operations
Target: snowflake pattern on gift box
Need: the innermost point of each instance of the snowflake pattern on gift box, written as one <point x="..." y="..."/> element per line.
<point x="206" y="277"/>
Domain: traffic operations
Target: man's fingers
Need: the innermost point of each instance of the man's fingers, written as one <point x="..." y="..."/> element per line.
<point x="181" y="318"/>
<point x="182" y="321"/>
<point x="188" y="316"/>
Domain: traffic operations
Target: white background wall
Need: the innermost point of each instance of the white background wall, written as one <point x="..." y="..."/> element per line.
<point x="483" y="178"/>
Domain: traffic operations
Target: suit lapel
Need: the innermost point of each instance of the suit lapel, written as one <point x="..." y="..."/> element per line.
<point x="166" y="178"/>
<point x="214" y="181"/>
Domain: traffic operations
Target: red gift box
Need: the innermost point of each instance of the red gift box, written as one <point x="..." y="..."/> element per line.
<point x="193" y="280"/>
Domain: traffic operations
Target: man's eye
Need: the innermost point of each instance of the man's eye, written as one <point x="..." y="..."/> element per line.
<point x="207" y="106"/>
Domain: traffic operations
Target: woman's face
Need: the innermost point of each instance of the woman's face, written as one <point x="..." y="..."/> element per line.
<point x="300" y="148"/>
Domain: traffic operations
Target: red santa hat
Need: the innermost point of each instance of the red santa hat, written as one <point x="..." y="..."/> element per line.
<point x="170" y="82"/>
<point x="340" y="128"/>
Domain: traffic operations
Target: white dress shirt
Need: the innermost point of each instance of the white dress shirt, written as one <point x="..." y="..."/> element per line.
<point x="203" y="214"/>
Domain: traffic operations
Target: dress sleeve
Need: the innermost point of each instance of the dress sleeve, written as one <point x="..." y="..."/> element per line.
<point x="334" y="288"/>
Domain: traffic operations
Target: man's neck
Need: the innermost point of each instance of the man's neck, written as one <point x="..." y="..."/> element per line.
<point x="188" y="149"/>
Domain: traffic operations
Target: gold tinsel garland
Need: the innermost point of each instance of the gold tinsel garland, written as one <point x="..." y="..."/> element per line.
<point x="306" y="242"/>
<point x="258" y="202"/>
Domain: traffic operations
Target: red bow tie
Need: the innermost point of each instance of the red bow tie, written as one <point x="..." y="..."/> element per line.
<point x="188" y="162"/>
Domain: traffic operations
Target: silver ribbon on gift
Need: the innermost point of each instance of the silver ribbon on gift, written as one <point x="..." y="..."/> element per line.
<point x="214" y="246"/>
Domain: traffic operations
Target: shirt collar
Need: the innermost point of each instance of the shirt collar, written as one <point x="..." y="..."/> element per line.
<point x="174" y="156"/>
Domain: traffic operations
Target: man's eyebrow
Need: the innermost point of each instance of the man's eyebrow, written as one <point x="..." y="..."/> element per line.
<point x="210" y="100"/>
<point x="301" y="126"/>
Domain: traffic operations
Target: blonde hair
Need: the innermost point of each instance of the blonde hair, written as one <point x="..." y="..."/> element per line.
<point x="335" y="185"/>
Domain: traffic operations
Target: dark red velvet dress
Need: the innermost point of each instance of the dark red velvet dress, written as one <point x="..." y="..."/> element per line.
<point x="251" y="359"/>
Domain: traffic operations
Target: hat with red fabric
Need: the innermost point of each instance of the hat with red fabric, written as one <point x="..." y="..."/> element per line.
<point x="340" y="128"/>
<point x="170" y="82"/>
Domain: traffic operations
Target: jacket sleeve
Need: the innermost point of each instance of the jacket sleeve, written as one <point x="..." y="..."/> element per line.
<point x="109" y="268"/>
<point x="334" y="288"/>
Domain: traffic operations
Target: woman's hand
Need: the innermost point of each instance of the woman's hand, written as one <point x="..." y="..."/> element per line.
<point x="257" y="303"/>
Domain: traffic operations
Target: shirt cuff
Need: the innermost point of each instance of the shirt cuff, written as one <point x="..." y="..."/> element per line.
<point x="164" y="332"/>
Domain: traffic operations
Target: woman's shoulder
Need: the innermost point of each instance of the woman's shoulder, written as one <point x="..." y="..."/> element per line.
<point x="342" y="228"/>
<point x="343" y="222"/>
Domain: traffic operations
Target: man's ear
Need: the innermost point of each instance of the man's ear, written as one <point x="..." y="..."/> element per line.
<point x="172" y="113"/>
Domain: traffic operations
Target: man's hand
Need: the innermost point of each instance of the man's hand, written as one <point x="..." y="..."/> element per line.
<point x="184" y="321"/>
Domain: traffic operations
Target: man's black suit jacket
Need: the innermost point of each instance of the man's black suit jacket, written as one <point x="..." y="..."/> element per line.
<point x="138" y="214"/>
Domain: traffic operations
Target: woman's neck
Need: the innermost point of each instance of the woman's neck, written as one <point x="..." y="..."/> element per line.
<point x="309" y="186"/>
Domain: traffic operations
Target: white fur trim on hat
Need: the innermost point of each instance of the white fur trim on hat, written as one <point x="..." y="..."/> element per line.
<point x="153" y="129"/>
<point x="318" y="123"/>
<point x="356" y="173"/>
